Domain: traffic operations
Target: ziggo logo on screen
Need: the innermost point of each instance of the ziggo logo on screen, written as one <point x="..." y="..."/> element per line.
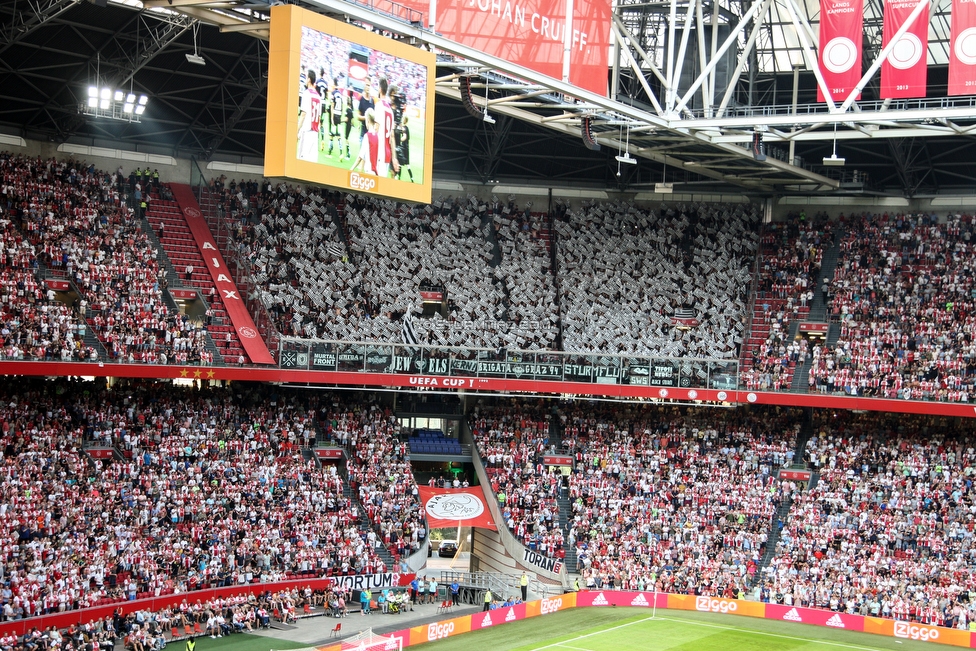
<point x="362" y="183"/>
<point x="712" y="605"/>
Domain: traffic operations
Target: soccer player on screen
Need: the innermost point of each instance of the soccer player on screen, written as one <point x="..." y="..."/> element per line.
<point x="370" y="147"/>
<point x="309" y="118"/>
<point x="337" y="102"/>
<point x="403" y="148"/>
<point x="386" y="132"/>
<point x="365" y="104"/>
<point x="322" y="86"/>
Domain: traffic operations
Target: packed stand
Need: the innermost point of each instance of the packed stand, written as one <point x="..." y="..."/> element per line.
<point x="298" y="258"/>
<point x="675" y="499"/>
<point x="81" y="224"/>
<point x="35" y="324"/>
<point x="791" y="256"/>
<point x="905" y="295"/>
<point x="673" y="282"/>
<point x="511" y="437"/>
<point x="213" y="491"/>
<point x="888" y="529"/>
<point x="379" y="469"/>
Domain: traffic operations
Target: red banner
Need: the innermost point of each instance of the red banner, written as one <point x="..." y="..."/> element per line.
<point x="432" y="296"/>
<point x="903" y="73"/>
<point x="184" y="294"/>
<point x="58" y="285"/>
<point x="795" y="475"/>
<point x="813" y="326"/>
<point x="100" y="453"/>
<point x="841" y="24"/>
<point x="454" y="507"/>
<point x="531" y="34"/>
<point x="962" y="50"/>
<point x="557" y="460"/>
<point x="328" y="453"/>
<point x="256" y="349"/>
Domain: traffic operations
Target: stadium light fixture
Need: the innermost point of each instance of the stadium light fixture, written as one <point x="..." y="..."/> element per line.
<point x="113" y="103"/>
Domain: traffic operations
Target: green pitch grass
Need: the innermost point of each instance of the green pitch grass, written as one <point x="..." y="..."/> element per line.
<point x="240" y="642"/>
<point x="417" y="130"/>
<point x="634" y="629"/>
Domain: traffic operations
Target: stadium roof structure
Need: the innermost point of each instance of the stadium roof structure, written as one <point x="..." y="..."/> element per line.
<point x="698" y="135"/>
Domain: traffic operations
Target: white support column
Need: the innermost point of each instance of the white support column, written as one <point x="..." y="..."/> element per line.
<point x="712" y="53"/>
<point x="619" y="41"/>
<point x="702" y="59"/>
<point x="567" y="40"/>
<point x="743" y="58"/>
<point x="671" y="83"/>
<point x="732" y="38"/>
<point x="682" y="49"/>
<point x="620" y="31"/>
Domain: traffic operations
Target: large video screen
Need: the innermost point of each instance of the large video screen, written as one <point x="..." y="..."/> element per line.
<point x="348" y="108"/>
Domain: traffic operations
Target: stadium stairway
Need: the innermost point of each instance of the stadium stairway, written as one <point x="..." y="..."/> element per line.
<point x="365" y="525"/>
<point x="565" y="506"/>
<point x="818" y="311"/>
<point x="783" y="509"/>
<point x="163" y="261"/>
<point x="776" y="527"/>
<point x="178" y="245"/>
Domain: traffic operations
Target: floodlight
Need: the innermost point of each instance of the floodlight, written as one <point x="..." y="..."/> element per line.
<point x="119" y="95"/>
<point x="140" y="109"/>
<point x="143" y="99"/>
<point x="92" y="102"/>
<point x="106" y="94"/>
<point x="834" y="161"/>
<point x="196" y="58"/>
<point x="626" y="158"/>
<point x="128" y="108"/>
<point x="93" y="91"/>
<point x="130" y="98"/>
<point x="104" y="104"/>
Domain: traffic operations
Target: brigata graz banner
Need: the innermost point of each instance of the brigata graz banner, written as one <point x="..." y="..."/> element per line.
<point x="903" y="73"/>
<point x="514" y="365"/>
<point x="841" y="23"/>
<point x="531" y="33"/>
<point x="456" y="507"/>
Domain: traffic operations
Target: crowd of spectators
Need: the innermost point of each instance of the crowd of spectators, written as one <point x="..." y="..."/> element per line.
<point x="674" y="499"/>
<point x="888" y="529"/>
<point x="35" y="325"/>
<point x="627" y="275"/>
<point x="212" y="490"/>
<point x="905" y="295"/>
<point x="82" y="227"/>
<point x="512" y="437"/>
<point x="790" y="259"/>
<point x="379" y="469"/>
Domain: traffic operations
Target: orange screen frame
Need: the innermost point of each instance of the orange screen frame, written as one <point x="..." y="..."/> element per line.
<point x="281" y="137"/>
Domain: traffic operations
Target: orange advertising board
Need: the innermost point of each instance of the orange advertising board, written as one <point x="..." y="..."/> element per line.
<point x="440" y="630"/>
<point x="717" y="605"/>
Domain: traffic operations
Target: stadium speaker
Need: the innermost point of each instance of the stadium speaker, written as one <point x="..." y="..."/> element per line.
<point x="464" y="85"/>
<point x="586" y="130"/>
<point x="758" y="146"/>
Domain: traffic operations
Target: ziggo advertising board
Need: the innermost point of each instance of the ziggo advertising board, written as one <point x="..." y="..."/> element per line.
<point x="586" y="599"/>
